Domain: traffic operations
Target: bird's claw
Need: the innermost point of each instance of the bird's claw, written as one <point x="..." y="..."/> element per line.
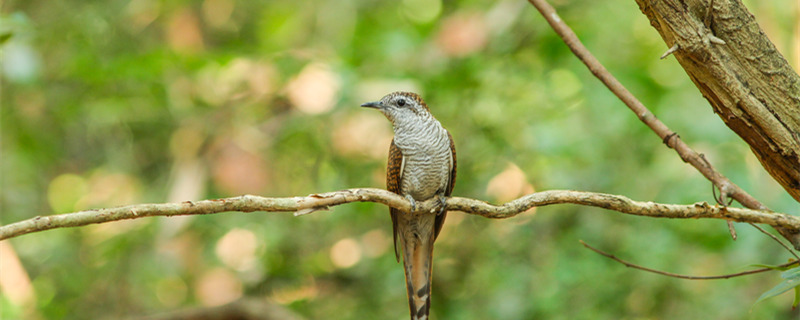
<point x="442" y="204"/>
<point x="413" y="202"/>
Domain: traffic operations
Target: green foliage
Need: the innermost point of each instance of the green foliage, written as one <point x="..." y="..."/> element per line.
<point x="117" y="102"/>
<point x="791" y="281"/>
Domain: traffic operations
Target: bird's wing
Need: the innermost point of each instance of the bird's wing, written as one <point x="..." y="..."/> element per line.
<point x="451" y="183"/>
<point x="394" y="174"/>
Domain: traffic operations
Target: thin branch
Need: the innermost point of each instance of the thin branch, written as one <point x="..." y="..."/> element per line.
<point x="776" y="240"/>
<point x="721" y="201"/>
<point x="732" y="231"/>
<point x="681" y="276"/>
<point x="670" y="51"/>
<point x="670" y="138"/>
<point x="315" y="202"/>
<point x="755" y="97"/>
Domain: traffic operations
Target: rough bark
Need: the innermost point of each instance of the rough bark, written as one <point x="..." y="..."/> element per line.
<point x="748" y="82"/>
<point x="323" y="201"/>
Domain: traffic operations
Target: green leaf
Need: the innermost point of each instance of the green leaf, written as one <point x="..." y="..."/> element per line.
<point x="796" y="297"/>
<point x="792" y="277"/>
<point x="791" y="273"/>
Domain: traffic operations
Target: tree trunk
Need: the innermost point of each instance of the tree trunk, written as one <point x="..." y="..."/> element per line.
<point x="747" y="81"/>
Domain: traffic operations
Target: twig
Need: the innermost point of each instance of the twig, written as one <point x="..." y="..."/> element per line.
<point x="681" y="276"/>
<point x="732" y="230"/>
<point x="722" y="202"/>
<point x="670" y="51"/>
<point x="714" y="39"/>
<point x="308" y="204"/>
<point x="672" y="140"/>
<point x="776" y="240"/>
<point x="668" y="136"/>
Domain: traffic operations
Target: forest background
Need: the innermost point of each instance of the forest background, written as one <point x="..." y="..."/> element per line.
<point x="123" y="102"/>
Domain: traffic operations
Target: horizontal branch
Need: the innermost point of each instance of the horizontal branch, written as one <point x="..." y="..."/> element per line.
<point x="315" y="202"/>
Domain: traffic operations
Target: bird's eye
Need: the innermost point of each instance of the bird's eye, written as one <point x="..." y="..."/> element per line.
<point x="401" y="102"/>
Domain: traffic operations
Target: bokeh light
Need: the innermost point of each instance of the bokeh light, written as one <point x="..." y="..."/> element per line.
<point x="105" y="104"/>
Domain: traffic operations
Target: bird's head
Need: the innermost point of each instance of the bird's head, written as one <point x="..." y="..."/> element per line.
<point x="402" y="107"/>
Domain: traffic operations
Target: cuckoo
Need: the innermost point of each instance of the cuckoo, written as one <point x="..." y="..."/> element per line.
<point x="422" y="166"/>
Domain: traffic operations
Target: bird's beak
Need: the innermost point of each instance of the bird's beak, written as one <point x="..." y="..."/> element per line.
<point x="373" y="104"/>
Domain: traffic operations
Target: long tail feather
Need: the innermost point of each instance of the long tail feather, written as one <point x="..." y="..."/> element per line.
<point x="418" y="263"/>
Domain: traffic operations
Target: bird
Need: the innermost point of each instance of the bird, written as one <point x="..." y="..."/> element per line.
<point x="421" y="166"/>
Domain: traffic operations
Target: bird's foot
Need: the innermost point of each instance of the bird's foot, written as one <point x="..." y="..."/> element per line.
<point x="413" y="202"/>
<point x="442" y="204"/>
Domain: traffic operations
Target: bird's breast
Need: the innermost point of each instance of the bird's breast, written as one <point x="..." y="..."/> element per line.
<point x="427" y="164"/>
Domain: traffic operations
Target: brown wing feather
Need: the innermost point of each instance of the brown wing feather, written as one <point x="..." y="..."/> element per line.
<point x="393" y="172"/>
<point x="450" y="185"/>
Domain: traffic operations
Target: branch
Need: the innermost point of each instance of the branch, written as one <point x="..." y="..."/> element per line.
<point x="670" y="138"/>
<point x="747" y="81"/>
<point x="314" y="202"/>
<point x="681" y="276"/>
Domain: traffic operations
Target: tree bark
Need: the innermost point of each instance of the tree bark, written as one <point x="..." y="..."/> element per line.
<point x="323" y="201"/>
<point x="748" y="82"/>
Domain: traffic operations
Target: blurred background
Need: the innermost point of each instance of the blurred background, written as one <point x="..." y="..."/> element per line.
<point x="144" y="101"/>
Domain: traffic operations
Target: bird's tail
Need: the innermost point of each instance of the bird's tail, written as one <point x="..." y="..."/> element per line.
<point x="418" y="263"/>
